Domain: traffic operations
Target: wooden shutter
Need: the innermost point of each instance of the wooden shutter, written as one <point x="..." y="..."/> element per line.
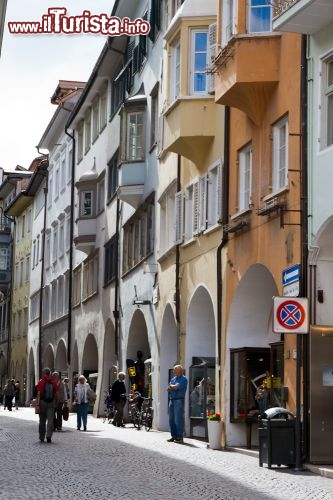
<point x="179" y="218"/>
<point x="196" y="209"/>
<point x="212" y="38"/>
<point x="203" y="202"/>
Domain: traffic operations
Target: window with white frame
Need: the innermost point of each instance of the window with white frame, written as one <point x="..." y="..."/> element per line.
<point x="327" y="102"/>
<point x="53" y="300"/>
<point x="167" y="219"/>
<point x="228" y="20"/>
<point x="47" y="250"/>
<point x="199" y="61"/>
<point x="33" y="254"/>
<point x="61" y="238"/>
<point x="68" y="232"/>
<point x="138" y="236"/>
<point x="280" y="155"/>
<point x="17" y="275"/>
<point x="46" y="304"/>
<point x="259" y="16"/>
<point x="34" y="307"/>
<point x="55" y="244"/>
<point x="87" y="130"/>
<point x="29" y="220"/>
<point x="100" y="195"/>
<point x="18" y="229"/>
<point x="50" y="190"/>
<point x="63" y="172"/>
<point x="110" y="260"/>
<point x="80" y="141"/>
<point x="37" y="250"/>
<point x="66" y="285"/>
<point x="175" y="71"/>
<point x="21" y="272"/>
<point x="154" y="117"/>
<point x="69" y="164"/>
<point x="192" y="211"/>
<point x="135" y="135"/>
<point x="87" y="203"/>
<point x="23" y="226"/>
<point x="214" y="195"/>
<point x="27" y="269"/>
<point x="25" y="321"/>
<point x="56" y="180"/>
<point x="77" y="285"/>
<point x="95" y="118"/>
<point x="90" y="277"/>
<point x="103" y="108"/>
<point x="19" y="323"/>
<point x="244" y="177"/>
<point x="39" y="204"/>
<point x="60" y="301"/>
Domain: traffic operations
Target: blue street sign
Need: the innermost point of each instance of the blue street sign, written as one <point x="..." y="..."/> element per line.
<point x="291" y="274"/>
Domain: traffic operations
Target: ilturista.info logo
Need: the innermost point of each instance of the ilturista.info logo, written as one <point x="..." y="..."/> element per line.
<point x="57" y="22"/>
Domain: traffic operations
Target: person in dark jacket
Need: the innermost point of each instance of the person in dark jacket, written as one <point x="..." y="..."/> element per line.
<point x="45" y="408"/>
<point x="119" y="399"/>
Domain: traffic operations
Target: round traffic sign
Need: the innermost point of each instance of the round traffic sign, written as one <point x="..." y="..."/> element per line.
<point x="290" y="314"/>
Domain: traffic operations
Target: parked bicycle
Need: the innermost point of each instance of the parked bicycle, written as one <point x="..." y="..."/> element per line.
<point x="140" y="411"/>
<point x="109" y="409"/>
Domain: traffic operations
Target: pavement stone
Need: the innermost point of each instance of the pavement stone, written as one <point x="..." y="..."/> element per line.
<point x="123" y="463"/>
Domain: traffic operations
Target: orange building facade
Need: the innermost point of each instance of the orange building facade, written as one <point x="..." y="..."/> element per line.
<point x="258" y="79"/>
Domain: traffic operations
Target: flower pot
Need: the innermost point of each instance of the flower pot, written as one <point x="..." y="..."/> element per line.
<point x="214" y="434"/>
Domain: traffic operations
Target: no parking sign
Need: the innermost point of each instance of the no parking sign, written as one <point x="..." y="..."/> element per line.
<point x="290" y="315"/>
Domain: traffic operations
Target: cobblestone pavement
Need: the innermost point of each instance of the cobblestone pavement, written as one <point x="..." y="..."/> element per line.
<point x="123" y="463"/>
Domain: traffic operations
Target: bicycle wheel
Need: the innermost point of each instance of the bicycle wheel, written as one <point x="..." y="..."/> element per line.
<point x="149" y="420"/>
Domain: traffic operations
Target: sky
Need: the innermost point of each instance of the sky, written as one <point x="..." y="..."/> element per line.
<point x="30" y="69"/>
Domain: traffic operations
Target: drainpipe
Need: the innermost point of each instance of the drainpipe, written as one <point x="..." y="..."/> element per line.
<point x="177" y="294"/>
<point x="304" y="240"/>
<point x="116" y="287"/>
<point x="70" y="275"/>
<point x="40" y="320"/>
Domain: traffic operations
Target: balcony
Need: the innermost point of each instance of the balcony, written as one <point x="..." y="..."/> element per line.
<point x="189" y="127"/>
<point x="85" y="237"/>
<point x="302" y="16"/>
<point x="248" y="70"/>
<point x="131" y="182"/>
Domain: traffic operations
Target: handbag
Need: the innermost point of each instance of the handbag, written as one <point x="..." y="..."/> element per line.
<point x="65" y="412"/>
<point x="91" y="396"/>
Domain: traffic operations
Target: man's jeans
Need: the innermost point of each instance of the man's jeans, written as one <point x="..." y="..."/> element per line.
<point x="176" y="418"/>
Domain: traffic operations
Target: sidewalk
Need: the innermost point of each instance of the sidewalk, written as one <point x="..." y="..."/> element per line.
<point x="29" y="414"/>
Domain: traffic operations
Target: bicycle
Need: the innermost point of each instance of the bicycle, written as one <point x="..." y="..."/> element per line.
<point x="140" y="411"/>
<point x="108" y="414"/>
<point x="147" y="413"/>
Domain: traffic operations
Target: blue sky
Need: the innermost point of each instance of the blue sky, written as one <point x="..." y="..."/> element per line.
<point x="30" y="68"/>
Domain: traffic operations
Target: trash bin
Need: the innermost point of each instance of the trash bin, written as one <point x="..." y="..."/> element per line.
<point x="277" y="437"/>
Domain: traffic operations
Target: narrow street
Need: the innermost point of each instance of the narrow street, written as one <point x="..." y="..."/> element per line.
<point x="107" y="462"/>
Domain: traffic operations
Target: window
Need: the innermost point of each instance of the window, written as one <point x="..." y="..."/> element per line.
<point x="47" y="250"/>
<point x="21" y="272"/>
<point x="95" y="118"/>
<point x="154" y="117"/>
<point x="4" y="261"/>
<point x="100" y="196"/>
<point x="87" y="198"/>
<point x="103" y="109"/>
<point x="29" y="221"/>
<point x="61" y="238"/>
<point x="260" y="16"/>
<point x="77" y="286"/>
<point x="155" y="19"/>
<point x="199" y="62"/>
<point x="23" y="226"/>
<point x="175" y="71"/>
<point x="60" y="301"/>
<point x="68" y="232"/>
<point x="244" y="178"/>
<point x="90" y="277"/>
<point x="46" y="304"/>
<point x="110" y="260"/>
<point x="80" y="141"/>
<point x="138" y="236"/>
<point x="34" y="307"/>
<point x="327" y="103"/>
<point x="135" y="136"/>
<point x="192" y="215"/>
<point x="50" y="190"/>
<point x="55" y="244"/>
<point x="214" y="195"/>
<point x="56" y="181"/>
<point x="53" y="300"/>
<point x="63" y="173"/>
<point x="280" y="155"/>
<point x="87" y="130"/>
<point x="167" y="219"/>
<point x="113" y="176"/>
<point x="69" y="165"/>
<point x="27" y="269"/>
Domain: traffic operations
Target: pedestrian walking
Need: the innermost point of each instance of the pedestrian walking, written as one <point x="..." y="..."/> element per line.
<point x="81" y="398"/>
<point x="118" y="393"/>
<point x="177" y="390"/>
<point x="62" y="401"/>
<point x="46" y="401"/>
<point x="9" y="394"/>
<point x="17" y="393"/>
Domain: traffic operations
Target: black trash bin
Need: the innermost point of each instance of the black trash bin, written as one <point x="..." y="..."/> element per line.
<point x="277" y="437"/>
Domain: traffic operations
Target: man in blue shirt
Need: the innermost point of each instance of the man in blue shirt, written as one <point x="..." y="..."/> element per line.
<point x="177" y="390"/>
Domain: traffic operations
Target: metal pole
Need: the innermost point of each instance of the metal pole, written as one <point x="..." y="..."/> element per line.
<point x="298" y="432"/>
